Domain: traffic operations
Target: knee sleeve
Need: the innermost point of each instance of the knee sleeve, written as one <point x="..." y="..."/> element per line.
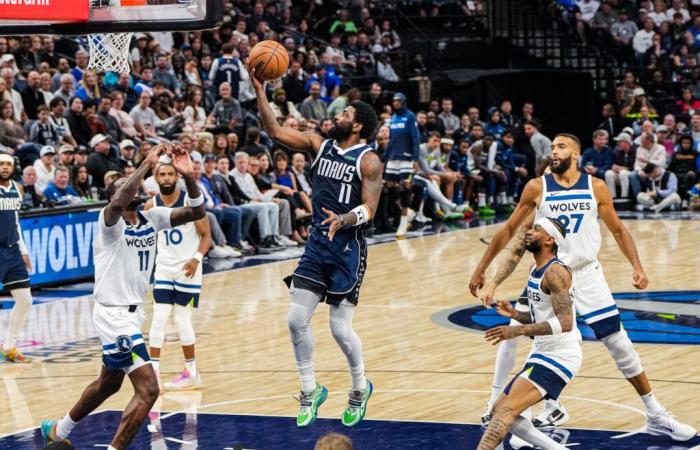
<point x="622" y="350"/>
<point x="341" y="331"/>
<point x="183" y="322"/>
<point x="156" y="336"/>
<point x="298" y="320"/>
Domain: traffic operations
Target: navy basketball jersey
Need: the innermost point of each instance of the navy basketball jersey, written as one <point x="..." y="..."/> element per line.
<point x="337" y="181"/>
<point x="10" y="203"/>
<point x="228" y="71"/>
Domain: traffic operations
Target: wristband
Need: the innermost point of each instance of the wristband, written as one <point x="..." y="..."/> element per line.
<point x="198" y="256"/>
<point x="555" y="325"/>
<point x="194" y="202"/>
<point x="362" y="214"/>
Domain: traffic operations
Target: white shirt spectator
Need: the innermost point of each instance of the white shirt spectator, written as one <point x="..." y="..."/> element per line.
<point x="670" y="12"/>
<point x="246" y="184"/>
<point x="194" y="122"/>
<point x="304" y="184"/>
<point x="43" y="176"/>
<point x="126" y="122"/>
<point x="588" y="9"/>
<point x="656" y="155"/>
<point x="17" y="104"/>
<point x="642" y="40"/>
<point x="658" y="18"/>
<point x="146" y="117"/>
<point x="386" y="72"/>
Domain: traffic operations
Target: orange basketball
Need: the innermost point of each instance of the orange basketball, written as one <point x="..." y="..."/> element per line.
<point x="269" y="59"/>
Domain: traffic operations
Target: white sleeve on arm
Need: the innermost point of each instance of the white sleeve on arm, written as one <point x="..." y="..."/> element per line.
<point x="20" y="241"/>
<point x="491" y="163"/>
<point x="110" y="234"/>
<point x="159" y="217"/>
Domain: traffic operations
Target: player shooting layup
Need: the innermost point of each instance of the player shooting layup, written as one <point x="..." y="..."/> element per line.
<point x="124" y="250"/>
<point x="577" y="199"/>
<point x="347" y="180"/>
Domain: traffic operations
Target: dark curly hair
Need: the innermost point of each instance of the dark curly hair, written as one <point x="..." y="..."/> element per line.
<point x="365" y="115"/>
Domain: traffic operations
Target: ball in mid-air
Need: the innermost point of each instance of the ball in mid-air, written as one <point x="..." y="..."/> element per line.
<point x="269" y="59"/>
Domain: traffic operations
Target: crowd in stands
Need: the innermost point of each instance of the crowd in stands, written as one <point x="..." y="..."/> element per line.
<point x="656" y="43"/>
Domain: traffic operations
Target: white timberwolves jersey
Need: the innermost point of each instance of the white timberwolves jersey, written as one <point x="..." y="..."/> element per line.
<point x="124" y="257"/>
<point x="541" y="310"/>
<point x="178" y="245"/>
<point x="577" y="208"/>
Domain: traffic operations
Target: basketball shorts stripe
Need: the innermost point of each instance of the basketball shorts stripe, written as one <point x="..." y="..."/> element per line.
<point x="396" y="170"/>
<point x="123" y="347"/>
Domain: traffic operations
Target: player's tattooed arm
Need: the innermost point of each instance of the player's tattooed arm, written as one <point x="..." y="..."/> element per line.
<point x="516" y="254"/>
<point x="506" y="310"/>
<point x="557" y="280"/>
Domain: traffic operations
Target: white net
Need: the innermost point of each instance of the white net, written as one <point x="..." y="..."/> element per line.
<point x="109" y="52"/>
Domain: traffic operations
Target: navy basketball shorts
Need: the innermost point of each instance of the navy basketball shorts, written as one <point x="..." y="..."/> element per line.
<point x="172" y="287"/>
<point x="13" y="272"/>
<point x="332" y="269"/>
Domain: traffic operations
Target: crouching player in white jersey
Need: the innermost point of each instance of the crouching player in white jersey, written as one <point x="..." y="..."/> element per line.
<point x="577" y="200"/>
<point x="556" y="353"/>
<point x="124" y="252"/>
<point x="178" y="277"/>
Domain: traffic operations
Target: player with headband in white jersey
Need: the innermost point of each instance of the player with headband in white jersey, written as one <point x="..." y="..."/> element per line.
<point x="556" y="354"/>
<point x="124" y="252"/>
<point x="577" y="200"/>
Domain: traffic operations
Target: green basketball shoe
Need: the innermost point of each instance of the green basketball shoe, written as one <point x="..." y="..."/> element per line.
<point x="357" y="405"/>
<point x="310" y="402"/>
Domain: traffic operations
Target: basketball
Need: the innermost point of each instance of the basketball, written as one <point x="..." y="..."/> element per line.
<point x="269" y="59"/>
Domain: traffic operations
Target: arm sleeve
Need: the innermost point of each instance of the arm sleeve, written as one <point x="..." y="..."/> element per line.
<point x="491" y="162"/>
<point x="20" y="241"/>
<point x="214" y="68"/>
<point x="159" y="217"/>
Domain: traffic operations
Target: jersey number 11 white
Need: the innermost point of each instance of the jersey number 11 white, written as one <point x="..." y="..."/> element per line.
<point x="345" y="191"/>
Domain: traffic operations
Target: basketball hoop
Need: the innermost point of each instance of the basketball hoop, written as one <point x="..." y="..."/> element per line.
<point x="109" y="52"/>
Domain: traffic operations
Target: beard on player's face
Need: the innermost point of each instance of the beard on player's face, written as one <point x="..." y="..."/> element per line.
<point x="533" y="246"/>
<point x="340" y="132"/>
<point x="563" y="165"/>
<point x="167" y="188"/>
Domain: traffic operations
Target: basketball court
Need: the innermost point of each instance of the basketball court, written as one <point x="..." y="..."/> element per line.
<point x="423" y="344"/>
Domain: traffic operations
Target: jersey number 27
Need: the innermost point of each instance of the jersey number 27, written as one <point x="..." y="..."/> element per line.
<point x="566" y="220"/>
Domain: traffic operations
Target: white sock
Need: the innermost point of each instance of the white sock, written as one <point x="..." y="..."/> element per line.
<point x="359" y="381"/>
<point x="155" y="362"/>
<point x="652" y="404"/>
<point x="482" y="200"/>
<point x="65" y="426"/>
<point x="525" y="430"/>
<point x="307" y="376"/>
<point x="18" y="315"/>
<point x="191" y="366"/>
<point x="505" y="360"/>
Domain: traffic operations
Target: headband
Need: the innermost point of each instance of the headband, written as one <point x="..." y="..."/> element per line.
<point x="4" y="157"/>
<point x="551" y="230"/>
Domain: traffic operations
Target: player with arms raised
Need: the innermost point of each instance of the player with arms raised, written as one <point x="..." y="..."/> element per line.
<point x="124" y="252"/>
<point x="577" y="200"/>
<point x="347" y="180"/>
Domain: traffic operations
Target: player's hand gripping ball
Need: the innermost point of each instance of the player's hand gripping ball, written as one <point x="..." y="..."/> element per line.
<point x="268" y="60"/>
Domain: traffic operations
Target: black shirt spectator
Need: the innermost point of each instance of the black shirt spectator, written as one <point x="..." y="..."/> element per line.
<point x="78" y="124"/>
<point x="31" y="97"/>
<point x="98" y="164"/>
<point x="375" y="98"/>
<point x="293" y="83"/>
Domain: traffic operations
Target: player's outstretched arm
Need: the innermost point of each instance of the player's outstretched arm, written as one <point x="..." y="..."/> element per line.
<point x="526" y="207"/>
<point x="371" y="170"/>
<point x="508" y="265"/>
<point x="289" y="137"/>
<point x="624" y="240"/>
<point x="125" y="194"/>
<point x="195" y="210"/>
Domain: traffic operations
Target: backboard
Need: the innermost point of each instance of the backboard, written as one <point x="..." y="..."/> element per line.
<point x="73" y="17"/>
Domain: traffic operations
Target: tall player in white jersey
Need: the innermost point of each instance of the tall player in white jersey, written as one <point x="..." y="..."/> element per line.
<point x="177" y="279"/>
<point x="556" y="351"/>
<point x="578" y="200"/>
<point x="124" y="252"/>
